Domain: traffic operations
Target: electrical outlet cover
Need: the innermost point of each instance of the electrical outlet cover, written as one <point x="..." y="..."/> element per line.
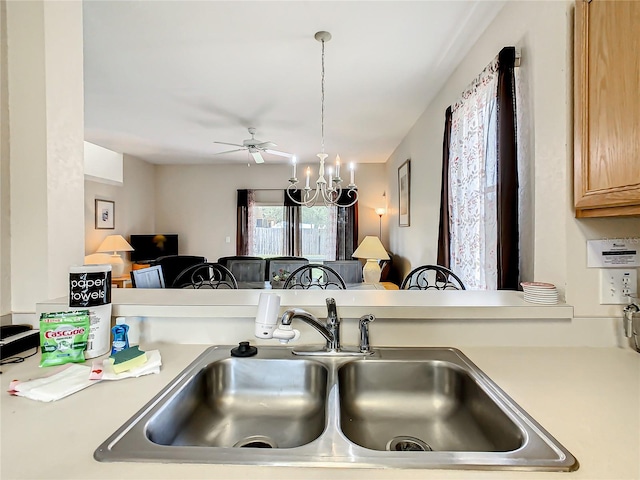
<point x="617" y="284"/>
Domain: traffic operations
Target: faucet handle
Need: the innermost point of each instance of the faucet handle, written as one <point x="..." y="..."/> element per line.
<point x="629" y="311"/>
<point x="332" y="311"/>
<point x="363" y="323"/>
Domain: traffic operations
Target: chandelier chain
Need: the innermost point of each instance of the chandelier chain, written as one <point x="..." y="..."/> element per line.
<point x="322" y="100"/>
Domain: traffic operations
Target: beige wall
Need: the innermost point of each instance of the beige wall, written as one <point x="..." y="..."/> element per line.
<point x="543" y="31"/>
<point x="5" y="239"/>
<point x="135" y="203"/>
<point x="199" y="202"/>
<point x="44" y="98"/>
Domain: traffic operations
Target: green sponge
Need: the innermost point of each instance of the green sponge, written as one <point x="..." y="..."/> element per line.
<point x="127" y="359"/>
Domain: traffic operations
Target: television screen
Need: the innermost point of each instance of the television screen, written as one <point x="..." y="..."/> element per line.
<point x="150" y="247"/>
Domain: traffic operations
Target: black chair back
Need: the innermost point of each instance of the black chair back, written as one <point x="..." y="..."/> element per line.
<point x="432" y="277"/>
<point x="150" y="277"/>
<point x="286" y="265"/>
<point x="349" y="270"/>
<point x="245" y="269"/>
<point x="173" y="265"/>
<point x="205" y="275"/>
<point x="315" y="276"/>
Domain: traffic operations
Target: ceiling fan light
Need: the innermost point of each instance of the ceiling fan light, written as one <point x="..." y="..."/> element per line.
<point x="256" y="155"/>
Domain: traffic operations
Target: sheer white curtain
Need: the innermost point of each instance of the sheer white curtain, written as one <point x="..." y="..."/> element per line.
<point x="472" y="183"/>
<point x="329" y="250"/>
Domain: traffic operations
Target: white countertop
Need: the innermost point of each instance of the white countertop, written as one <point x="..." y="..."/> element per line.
<point x="400" y="304"/>
<point x="587" y="398"/>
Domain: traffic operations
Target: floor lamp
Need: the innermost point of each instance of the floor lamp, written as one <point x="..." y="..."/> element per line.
<point x="380" y="211"/>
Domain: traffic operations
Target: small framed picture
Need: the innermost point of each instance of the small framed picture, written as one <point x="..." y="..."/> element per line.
<point x="105" y="214"/>
<point x="404" y="193"/>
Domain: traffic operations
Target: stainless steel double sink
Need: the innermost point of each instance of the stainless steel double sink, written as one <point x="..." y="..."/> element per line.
<point x="397" y="408"/>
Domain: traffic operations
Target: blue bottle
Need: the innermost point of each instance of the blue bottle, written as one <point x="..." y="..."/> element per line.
<point x="120" y="336"/>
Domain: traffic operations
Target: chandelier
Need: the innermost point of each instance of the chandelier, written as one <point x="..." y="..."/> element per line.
<point x="330" y="192"/>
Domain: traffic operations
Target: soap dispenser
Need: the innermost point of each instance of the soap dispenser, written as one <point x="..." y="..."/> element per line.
<point x="120" y="336"/>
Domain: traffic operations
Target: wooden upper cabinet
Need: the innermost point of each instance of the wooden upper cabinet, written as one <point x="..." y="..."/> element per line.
<point x="607" y="108"/>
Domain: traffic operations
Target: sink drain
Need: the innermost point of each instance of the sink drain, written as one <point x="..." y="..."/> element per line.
<point x="408" y="444"/>
<point x="256" y="441"/>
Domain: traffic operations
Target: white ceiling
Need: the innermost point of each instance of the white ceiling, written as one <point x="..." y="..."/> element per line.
<point x="164" y="79"/>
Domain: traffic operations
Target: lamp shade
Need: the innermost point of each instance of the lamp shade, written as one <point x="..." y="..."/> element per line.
<point x="371" y="247"/>
<point x="115" y="243"/>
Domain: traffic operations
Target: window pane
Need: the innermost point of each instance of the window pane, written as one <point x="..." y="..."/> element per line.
<point x="318" y="233"/>
<point x="268" y="233"/>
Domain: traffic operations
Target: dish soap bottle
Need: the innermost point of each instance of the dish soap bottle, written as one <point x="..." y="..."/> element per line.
<point x="120" y="336"/>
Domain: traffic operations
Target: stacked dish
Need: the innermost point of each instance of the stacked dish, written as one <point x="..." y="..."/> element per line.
<point x="539" y="292"/>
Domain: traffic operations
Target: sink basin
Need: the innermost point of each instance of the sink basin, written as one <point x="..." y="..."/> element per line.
<point x="429" y="405"/>
<point x="397" y="408"/>
<point x="245" y="402"/>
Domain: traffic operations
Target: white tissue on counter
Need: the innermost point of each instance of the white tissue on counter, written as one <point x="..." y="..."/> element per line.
<point x="70" y="379"/>
<point x="154" y="361"/>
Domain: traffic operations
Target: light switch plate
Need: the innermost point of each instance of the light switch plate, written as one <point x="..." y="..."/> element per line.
<point x="616" y="284"/>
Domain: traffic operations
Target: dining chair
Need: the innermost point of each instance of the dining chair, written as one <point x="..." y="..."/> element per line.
<point x="315" y="276"/>
<point x="349" y="270"/>
<point x="428" y="277"/>
<point x="245" y="268"/>
<point x="173" y="265"/>
<point x="205" y="275"/>
<point x="286" y="264"/>
<point x="150" y="277"/>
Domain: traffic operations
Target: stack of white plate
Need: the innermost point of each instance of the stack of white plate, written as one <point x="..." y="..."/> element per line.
<point x="539" y="292"/>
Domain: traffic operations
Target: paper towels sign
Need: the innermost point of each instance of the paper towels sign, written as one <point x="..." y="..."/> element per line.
<point x="619" y="252"/>
<point x="90" y="288"/>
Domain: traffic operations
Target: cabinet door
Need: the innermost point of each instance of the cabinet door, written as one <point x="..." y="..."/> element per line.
<point x="607" y="108"/>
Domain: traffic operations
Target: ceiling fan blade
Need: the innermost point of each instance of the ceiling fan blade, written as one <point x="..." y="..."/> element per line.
<point x="282" y="154"/>
<point x="232" y="144"/>
<point x="266" y="145"/>
<point x="257" y="157"/>
<point x="231" y="151"/>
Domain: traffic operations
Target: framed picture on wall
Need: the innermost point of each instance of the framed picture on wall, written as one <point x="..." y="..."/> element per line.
<point x="105" y="214"/>
<point x="404" y="193"/>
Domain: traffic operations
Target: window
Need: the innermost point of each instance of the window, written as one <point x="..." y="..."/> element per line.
<point x="273" y="231"/>
<point x="268" y="235"/>
<point x="318" y="233"/>
<point x="479" y="216"/>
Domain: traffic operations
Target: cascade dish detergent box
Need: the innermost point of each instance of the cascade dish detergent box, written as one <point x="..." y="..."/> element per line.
<point x="63" y="337"/>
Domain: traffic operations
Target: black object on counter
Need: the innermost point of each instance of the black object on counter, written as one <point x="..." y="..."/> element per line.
<point x="15" y="339"/>
<point x="244" y="350"/>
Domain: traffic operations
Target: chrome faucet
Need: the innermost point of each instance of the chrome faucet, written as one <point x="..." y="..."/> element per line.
<point x="631" y="319"/>
<point x="330" y="331"/>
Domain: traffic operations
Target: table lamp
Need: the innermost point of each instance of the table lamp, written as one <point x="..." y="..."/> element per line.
<point x="372" y="249"/>
<point x="115" y="244"/>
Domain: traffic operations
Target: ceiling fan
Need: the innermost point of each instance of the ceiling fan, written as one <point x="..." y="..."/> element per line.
<point x="255" y="147"/>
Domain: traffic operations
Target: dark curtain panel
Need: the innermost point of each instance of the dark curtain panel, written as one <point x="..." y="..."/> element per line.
<point x="347" y="231"/>
<point x="242" y="223"/>
<point x="293" y="215"/>
<point x="444" y="238"/>
<point x="508" y="254"/>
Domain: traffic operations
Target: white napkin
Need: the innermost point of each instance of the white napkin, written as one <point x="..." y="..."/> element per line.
<point x="70" y="379"/>
<point x="154" y="361"/>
